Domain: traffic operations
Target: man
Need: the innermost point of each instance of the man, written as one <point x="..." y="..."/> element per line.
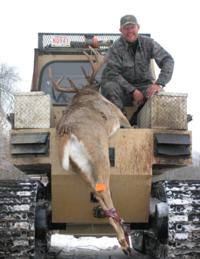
<point x="127" y="77"/>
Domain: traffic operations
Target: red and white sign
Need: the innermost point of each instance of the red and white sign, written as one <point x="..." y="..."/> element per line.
<point x="60" y="41"/>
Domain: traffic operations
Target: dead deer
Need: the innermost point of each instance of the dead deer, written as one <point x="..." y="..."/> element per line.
<point x="84" y="132"/>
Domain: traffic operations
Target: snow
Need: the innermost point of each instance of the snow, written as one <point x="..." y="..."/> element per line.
<point x="23" y="207"/>
<point x="162" y="209"/>
<point x="24" y="193"/>
<point x="181" y="236"/>
<point x="92" y="243"/>
<point x="179" y="201"/>
<point x="21" y="225"/>
<point x="179" y="218"/>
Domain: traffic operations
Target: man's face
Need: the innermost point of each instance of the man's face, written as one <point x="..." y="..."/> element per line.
<point x="130" y="32"/>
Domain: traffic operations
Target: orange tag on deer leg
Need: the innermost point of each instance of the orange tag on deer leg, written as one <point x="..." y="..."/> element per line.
<point x="100" y="187"/>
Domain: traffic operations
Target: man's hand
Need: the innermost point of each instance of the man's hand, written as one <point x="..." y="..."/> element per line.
<point x="152" y="89"/>
<point x="138" y="97"/>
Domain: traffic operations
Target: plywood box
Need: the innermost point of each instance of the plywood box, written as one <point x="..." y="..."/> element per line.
<point x="164" y="111"/>
<point x="32" y="110"/>
<point x="130" y="182"/>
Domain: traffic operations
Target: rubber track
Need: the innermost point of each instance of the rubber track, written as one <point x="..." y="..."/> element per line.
<point x="183" y="222"/>
<point x="17" y="216"/>
<point x="183" y="200"/>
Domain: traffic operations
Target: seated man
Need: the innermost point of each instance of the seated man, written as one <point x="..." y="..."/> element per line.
<point x="127" y="77"/>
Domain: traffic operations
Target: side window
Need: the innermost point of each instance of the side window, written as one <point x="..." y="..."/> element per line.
<point x="67" y="69"/>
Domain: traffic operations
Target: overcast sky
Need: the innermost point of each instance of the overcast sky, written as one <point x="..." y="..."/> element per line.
<point x="173" y="23"/>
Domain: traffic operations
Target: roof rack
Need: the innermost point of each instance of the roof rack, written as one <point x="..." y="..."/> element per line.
<point x="75" y="40"/>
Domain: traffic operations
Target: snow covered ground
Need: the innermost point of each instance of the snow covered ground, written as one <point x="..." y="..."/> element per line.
<point x="70" y="247"/>
<point x="92" y="243"/>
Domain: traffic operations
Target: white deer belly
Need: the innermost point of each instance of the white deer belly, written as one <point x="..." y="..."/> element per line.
<point x="76" y="150"/>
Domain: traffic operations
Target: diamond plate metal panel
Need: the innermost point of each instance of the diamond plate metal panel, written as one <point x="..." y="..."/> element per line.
<point x="32" y="110"/>
<point x="164" y="110"/>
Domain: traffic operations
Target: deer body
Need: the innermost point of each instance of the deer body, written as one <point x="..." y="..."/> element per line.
<point x="83" y="136"/>
<point x="84" y="132"/>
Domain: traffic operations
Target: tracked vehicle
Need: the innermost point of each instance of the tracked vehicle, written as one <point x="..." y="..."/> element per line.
<point x="153" y="183"/>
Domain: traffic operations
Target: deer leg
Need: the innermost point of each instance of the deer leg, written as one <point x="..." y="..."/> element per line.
<point x="101" y="188"/>
<point x="112" y="213"/>
<point x="114" y="219"/>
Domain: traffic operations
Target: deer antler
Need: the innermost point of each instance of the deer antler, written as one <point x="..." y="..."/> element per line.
<point x="96" y="62"/>
<point x="59" y="87"/>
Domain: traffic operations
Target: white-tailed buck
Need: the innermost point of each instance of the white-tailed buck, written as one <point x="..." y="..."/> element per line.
<point x="84" y="132"/>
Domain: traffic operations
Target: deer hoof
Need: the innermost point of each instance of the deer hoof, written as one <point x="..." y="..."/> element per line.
<point x="127" y="251"/>
<point x="125" y="248"/>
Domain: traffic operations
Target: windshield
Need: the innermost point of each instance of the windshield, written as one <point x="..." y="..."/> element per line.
<point x="68" y="69"/>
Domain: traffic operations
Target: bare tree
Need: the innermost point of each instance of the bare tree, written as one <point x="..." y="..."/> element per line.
<point x="8" y="79"/>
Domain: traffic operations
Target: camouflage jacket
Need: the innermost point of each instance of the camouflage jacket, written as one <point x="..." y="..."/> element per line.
<point x="133" y="70"/>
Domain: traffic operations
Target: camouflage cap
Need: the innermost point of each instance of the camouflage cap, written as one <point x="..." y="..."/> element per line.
<point x="128" y="19"/>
